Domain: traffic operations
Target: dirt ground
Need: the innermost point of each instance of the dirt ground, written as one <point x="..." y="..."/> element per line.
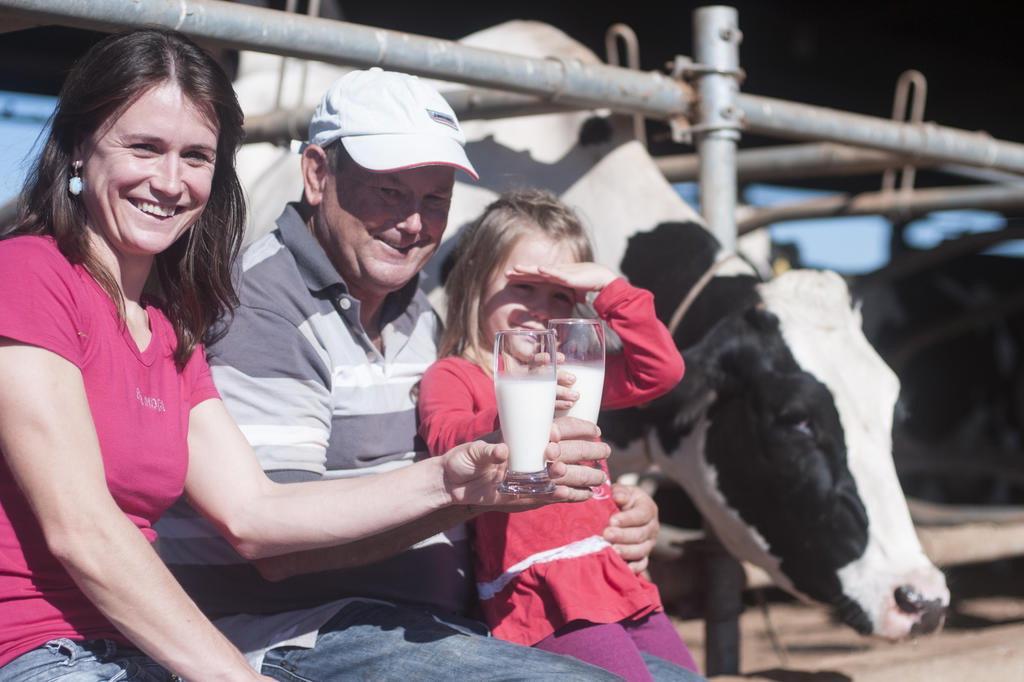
<point x="983" y="638"/>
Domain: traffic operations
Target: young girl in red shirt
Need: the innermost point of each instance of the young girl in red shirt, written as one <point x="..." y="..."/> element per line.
<point x="546" y="577"/>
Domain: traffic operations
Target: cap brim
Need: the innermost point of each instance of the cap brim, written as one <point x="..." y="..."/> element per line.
<point x="386" y="153"/>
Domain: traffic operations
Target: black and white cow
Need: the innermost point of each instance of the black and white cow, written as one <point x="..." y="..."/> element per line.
<point x="860" y="551"/>
<point x="780" y="433"/>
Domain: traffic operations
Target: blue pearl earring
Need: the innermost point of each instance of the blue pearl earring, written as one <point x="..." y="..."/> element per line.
<point x="75" y="183"/>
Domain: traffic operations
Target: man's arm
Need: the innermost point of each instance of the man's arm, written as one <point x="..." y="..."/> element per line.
<point x="634" y="529"/>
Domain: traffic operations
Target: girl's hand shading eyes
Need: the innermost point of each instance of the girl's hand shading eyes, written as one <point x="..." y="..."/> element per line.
<point x="582" y="278"/>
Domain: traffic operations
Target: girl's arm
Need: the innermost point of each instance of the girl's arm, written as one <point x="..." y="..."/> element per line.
<point x="50" y="445"/>
<point x="649" y="365"/>
<point x="449" y="415"/>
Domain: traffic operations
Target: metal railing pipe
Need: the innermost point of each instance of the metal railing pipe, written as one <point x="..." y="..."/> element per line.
<point x="791" y="161"/>
<point x="470" y="104"/>
<point x="790" y="120"/>
<point x="991" y="197"/>
<point x="567" y="81"/>
<point x="817" y="160"/>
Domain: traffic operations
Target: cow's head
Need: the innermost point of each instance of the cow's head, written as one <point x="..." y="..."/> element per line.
<point x="781" y="434"/>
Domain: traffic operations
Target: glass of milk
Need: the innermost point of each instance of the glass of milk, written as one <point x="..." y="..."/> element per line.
<point x="580" y="346"/>
<point x="525" y="374"/>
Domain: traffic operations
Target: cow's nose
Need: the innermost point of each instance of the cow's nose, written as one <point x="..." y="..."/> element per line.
<point x="909" y="599"/>
<point x="931" y="613"/>
<point x="932" y="617"/>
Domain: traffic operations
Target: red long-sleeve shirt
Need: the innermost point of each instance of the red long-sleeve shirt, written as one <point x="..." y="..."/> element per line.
<point x="537" y="571"/>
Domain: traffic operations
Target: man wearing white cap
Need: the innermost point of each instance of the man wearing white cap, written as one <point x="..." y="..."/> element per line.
<point x="318" y="367"/>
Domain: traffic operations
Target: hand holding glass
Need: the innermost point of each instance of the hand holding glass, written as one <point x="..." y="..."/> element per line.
<point x="524" y="384"/>
<point x="580" y="346"/>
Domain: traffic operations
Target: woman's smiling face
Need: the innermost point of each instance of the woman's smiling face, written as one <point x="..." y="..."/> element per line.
<point x="148" y="173"/>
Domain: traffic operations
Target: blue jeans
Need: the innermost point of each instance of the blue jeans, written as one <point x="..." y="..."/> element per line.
<point x="379" y="642"/>
<point x="97" y="660"/>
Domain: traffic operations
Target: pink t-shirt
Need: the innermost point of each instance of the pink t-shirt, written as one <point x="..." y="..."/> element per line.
<point x="140" y="406"/>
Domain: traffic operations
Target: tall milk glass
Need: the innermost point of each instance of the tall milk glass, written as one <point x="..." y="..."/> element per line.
<point x="525" y="375"/>
<point x="580" y="346"/>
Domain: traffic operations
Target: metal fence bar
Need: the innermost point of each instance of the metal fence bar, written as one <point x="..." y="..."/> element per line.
<point x="817" y="160"/>
<point x="567" y="81"/>
<point x="789" y="120"/>
<point x="470" y="104"/>
<point x="947" y="545"/>
<point x="716" y="41"/>
<point x="991" y="197"/>
<point x="789" y="161"/>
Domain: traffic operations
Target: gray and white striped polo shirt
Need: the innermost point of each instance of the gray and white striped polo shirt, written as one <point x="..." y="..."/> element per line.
<point x="317" y="400"/>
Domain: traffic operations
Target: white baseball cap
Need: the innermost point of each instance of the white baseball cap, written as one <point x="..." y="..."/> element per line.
<point x="390" y="121"/>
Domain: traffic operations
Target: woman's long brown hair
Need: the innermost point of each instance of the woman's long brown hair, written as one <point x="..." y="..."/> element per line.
<point x="194" y="273"/>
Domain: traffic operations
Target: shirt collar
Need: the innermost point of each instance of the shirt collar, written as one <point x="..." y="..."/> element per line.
<point x="315" y="267"/>
<point x="318" y="272"/>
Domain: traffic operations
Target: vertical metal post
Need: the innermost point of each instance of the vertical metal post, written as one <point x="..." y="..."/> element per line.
<point x="716" y="40"/>
<point x="723" y="603"/>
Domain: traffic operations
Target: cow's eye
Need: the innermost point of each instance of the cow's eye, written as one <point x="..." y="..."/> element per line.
<point x="796" y="421"/>
<point x="803" y="426"/>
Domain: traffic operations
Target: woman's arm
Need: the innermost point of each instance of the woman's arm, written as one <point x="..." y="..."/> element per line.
<point x="262" y="518"/>
<point x="362" y="552"/>
<point x="574" y="442"/>
<point x="50" y="445"/>
<point x="446" y="419"/>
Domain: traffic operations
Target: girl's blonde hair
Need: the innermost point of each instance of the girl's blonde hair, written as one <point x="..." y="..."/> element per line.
<point x="484" y="247"/>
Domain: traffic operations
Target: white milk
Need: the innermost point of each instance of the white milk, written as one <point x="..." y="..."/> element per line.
<point x="589" y="384"/>
<point x="525" y="409"/>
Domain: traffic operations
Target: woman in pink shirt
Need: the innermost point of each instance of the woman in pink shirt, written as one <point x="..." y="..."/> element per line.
<point x="107" y="410"/>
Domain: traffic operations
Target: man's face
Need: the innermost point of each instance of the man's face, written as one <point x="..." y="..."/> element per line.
<point x="380" y="229"/>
